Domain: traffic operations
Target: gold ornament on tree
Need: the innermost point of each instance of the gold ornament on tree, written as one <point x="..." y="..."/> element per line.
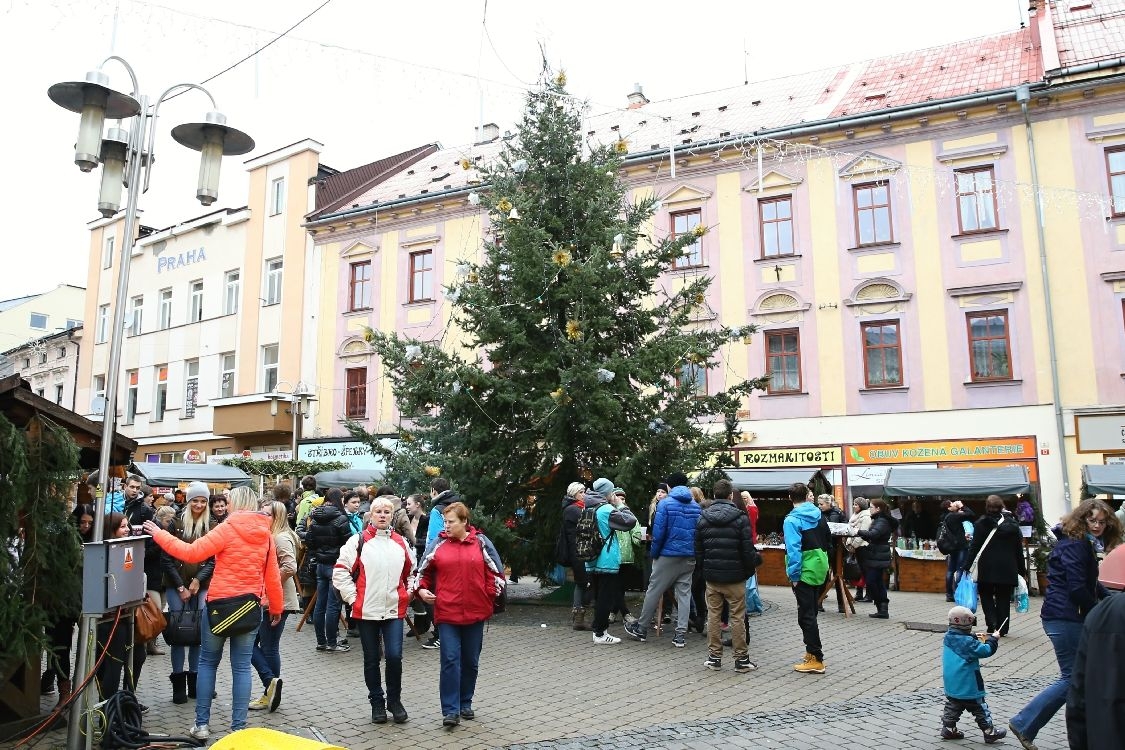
<point x="466" y="164"/>
<point x="431" y="471"/>
<point x="699" y="230"/>
<point x="560" y="79"/>
<point x="621" y="147"/>
<point x="573" y="330"/>
<point x="503" y="205"/>
<point x="561" y="258"/>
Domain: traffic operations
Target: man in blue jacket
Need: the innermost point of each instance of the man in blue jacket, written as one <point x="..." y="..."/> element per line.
<point x="806" y="564"/>
<point x="673" y="558"/>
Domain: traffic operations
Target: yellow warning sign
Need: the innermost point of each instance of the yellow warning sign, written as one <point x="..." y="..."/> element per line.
<point x="128" y="559"/>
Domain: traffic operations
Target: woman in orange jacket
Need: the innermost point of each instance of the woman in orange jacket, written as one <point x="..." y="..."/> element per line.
<point x="245" y="563"/>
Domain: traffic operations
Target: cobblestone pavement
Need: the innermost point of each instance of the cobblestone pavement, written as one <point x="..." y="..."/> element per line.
<point x="543" y="685"/>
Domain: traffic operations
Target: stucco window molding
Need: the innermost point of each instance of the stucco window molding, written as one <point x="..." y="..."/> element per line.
<point x="1110" y="133"/>
<point x="685" y="197"/>
<point x="359" y="249"/>
<point x="868" y="167"/>
<point x="979" y="295"/>
<point x="989" y="151"/>
<point x="772" y="183"/>
<point x="354" y="350"/>
<point x="411" y="242"/>
<point x="878" y="296"/>
<point x="1111" y="277"/>
<point x="779" y="306"/>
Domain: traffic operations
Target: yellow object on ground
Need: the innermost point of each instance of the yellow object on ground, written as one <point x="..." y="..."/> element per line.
<point x="269" y="739"/>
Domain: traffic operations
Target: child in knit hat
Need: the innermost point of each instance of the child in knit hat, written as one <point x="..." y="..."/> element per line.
<point x="964" y="686"/>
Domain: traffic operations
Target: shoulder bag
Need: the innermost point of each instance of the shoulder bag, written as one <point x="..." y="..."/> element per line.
<point x="976" y="560"/>
<point x="238" y="615"/>
<point x="148" y="620"/>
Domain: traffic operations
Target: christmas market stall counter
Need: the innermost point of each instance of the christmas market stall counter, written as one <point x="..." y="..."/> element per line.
<point x="772" y="570"/>
<point x="920" y="570"/>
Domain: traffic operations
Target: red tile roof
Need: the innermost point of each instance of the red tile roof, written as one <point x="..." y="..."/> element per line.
<point x="334" y="191"/>
<point x="1093" y="32"/>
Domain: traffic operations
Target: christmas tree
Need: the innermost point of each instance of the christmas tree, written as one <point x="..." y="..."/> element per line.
<point x="583" y="357"/>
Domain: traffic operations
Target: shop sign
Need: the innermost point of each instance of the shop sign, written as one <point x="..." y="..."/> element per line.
<point x="830" y="456"/>
<point x="354" y="453"/>
<point x="945" y="451"/>
<point x="284" y="455"/>
<point x="1100" y="433"/>
<point x="193" y="456"/>
<point x="170" y="262"/>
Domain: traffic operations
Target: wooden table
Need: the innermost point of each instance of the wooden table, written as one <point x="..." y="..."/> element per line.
<point x="920" y="574"/>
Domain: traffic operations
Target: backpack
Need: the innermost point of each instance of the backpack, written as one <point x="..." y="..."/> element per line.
<point x="588" y="539"/>
<point x="945" y="543"/>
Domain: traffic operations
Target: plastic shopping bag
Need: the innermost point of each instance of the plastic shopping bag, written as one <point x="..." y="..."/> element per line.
<point x="966" y="592"/>
<point x="753" y="600"/>
<point x="1022" y="602"/>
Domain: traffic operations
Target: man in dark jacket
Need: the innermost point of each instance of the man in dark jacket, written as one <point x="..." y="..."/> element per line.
<point x="673" y="559"/>
<point x="956" y="540"/>
<point x="725" y="552"/>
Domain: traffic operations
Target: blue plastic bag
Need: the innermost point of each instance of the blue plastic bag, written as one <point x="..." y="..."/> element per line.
<point x="753" y="600"/>
<point x="558" y="575"/>
<point x="1023" y="604"/>
<point x="966" y="592"/>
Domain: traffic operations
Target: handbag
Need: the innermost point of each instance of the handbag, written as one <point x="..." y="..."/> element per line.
<point x="976" y="560"/>
<point x="148" y="620"/>
<point x="238" y="615"/>
<point x="183" y="628"/>
<point x="852" y="571"/>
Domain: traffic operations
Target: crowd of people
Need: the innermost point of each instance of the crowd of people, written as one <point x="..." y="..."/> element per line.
<point x="376" y="566"/>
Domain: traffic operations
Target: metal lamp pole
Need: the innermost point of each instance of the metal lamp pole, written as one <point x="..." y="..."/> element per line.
<point x="123" y="156"/>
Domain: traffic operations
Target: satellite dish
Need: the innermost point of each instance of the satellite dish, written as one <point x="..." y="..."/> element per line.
<point x="97" y="406"/>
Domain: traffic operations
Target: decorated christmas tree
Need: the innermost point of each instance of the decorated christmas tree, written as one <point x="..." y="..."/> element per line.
<point x="582" y="355"/>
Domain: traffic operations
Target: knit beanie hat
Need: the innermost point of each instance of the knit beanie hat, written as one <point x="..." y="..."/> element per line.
<point x="574" y="488"/>
<point x="962" y="618"/>
<point x="197" y="489"/>
<point x="603" y="487"/>
<point x="862" y="503"/>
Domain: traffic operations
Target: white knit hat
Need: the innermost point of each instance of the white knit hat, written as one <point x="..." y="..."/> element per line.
<point x="196" y="489"/>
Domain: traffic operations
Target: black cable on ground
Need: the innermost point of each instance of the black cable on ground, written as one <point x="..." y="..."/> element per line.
<point x="124" y="727"/>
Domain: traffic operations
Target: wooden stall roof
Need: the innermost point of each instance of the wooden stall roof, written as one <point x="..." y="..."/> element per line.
<point x="19" y="404"/>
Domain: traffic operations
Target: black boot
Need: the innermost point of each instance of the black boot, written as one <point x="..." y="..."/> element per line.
<point x="378" y="713"/>
<point x="47" y="682"/>
<point x="398" y="712"/>
<point x="859" y="596"/>
<point x="180" y="687"/>
<point x="190" y="678"/>
<point x="881" y="611"/>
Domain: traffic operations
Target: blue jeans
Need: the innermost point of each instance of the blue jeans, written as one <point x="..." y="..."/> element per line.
<point x="267" y="649"/>
<point x="1034" y="716"/>
<point x="326" y="613"/>
<point x="954" y="561"/>
<point x="390" y="633"/>
<point x="241" y="649"/>
<point x="460" y="659"/>
<point x="175" y="604"/>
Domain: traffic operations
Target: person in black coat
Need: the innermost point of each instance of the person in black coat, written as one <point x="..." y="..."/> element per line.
<point x="1000" y="563"/>
<point x="957" y="541"/>
<point x="727" y="557"/>
<point x="877" y="555"/>
<point x="566" y="554"/>
<point x="329" y="528"/>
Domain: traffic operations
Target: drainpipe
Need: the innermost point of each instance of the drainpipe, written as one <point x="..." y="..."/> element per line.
<point x="1023" y="95"/>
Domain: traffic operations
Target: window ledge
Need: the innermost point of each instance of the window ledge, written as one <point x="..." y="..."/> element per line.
<point x="685" y="270"/>
<point x="777" y="258"/>
<point x="419" y="303"/>
<point x="993" y="383"/>
<point x="886" y="389"/>
<point x="357" y="312"/>
<point x="876" y="246"/>
<point x="783" y="394"/>
<point x="982" y="233"/>
<point x="271" y="304"/>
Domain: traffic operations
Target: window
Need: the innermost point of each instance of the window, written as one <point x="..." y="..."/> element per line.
<point x="191" y="387"/>
<point x="107" y="253"/>
<point x="882" y="354"/>
<point x="136" y="308"/>
<point x="40" y="392"/>
<point x="872" y="214"/>
<point x="101" y="328"/>
<point x="99" y="386"/>
<point x="976" y="199"/>
<point x="269" y="368"/>
<point x="195" y="310"/>
<point x="26" y="362"/>
<point x="160" y="397"/>
<point x="43" y="357"/>
<point x="776" y="216"/>
<point x="990" y="351"/>
<point x="226" y="377"/>
<point x="230" y="292"/>
<point x="693" y="375"/>
<point x="273" y="281"/>
<point x="165" y="308"/>
<point x="682" y="223"/>
<point x="783" y="361"/>
<point x="1115" y="169"/>
<point x="72" y="323"/>
<point x="277" y="196"/>
<point x="58" y="394"/>
<point x="422" y="276"/>
<point x="355" y="398"/>
<point x="60" y="353"/>
<point x="131" y="397"/>
<point x="38" y="320"/>
<point x="359" y="286"/>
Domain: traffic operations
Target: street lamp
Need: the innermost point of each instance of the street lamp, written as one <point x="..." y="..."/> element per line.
<point x="124" y="151"/>
<point x="300" y="399"/>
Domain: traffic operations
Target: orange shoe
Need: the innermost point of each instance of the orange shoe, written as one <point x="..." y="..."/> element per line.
<point x="811" y="665"/>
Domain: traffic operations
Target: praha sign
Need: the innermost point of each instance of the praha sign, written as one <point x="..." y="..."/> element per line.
<point x="170" y="262"/>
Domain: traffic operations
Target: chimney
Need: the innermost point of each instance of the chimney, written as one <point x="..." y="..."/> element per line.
<point x="487" y="133"/>
<point x="1043" y="34"/>
<point x="637" y="99"/>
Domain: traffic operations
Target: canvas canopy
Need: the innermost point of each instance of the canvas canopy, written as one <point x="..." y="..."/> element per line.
<point x="977" y="480"/>
<point x="1104" y="480"/>
<point x="168" y="475"/>
<point x="348" y="478"/>
<point x="771" y="480"/>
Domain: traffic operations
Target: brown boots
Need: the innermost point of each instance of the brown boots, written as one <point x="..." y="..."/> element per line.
<point x="578" y="618"/>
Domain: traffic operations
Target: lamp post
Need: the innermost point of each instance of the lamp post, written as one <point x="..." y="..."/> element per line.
<point x="300" y="400"/>
<point x="124" y="151"/>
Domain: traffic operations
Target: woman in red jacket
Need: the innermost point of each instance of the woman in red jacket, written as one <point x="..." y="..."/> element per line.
<point x="461" y="576"/>
<point x="245" y="563"/>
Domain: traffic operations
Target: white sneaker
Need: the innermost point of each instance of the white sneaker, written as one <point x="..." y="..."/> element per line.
<point x="606" y="640"/>
<point x="200" y="731"/>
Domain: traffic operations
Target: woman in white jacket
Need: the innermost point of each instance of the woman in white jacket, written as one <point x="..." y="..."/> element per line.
<point x="860" y="521"/>
<point x="372" y="575"/>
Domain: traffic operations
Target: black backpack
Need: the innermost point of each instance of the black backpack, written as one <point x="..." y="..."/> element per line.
<point x="588" y="539"/>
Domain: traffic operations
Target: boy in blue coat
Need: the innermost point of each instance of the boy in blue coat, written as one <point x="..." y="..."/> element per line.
<point x="960" y="671"/>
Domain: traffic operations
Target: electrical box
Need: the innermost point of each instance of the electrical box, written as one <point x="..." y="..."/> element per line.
<point x="113" y="574"/>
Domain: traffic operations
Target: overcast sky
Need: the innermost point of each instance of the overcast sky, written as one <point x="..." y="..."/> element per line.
<point x="369" y="78"/>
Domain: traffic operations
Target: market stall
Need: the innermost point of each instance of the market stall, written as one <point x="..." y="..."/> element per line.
<point x="1099" y="479"/>
<point x="348" y="478"/>
<point x="173" y="475"/>
<point x="918" y="564"/>
<point x="769" y="488"/>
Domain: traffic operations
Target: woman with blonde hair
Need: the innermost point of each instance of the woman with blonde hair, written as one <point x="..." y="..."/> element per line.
<point x="266" y="658"/>
<point x="185" y="584"/>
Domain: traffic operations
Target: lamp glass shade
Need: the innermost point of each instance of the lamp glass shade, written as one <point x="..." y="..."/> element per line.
<point x="113" y="168"/>
<point x="210" y="160"/>
<point x="90" y="128"/>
